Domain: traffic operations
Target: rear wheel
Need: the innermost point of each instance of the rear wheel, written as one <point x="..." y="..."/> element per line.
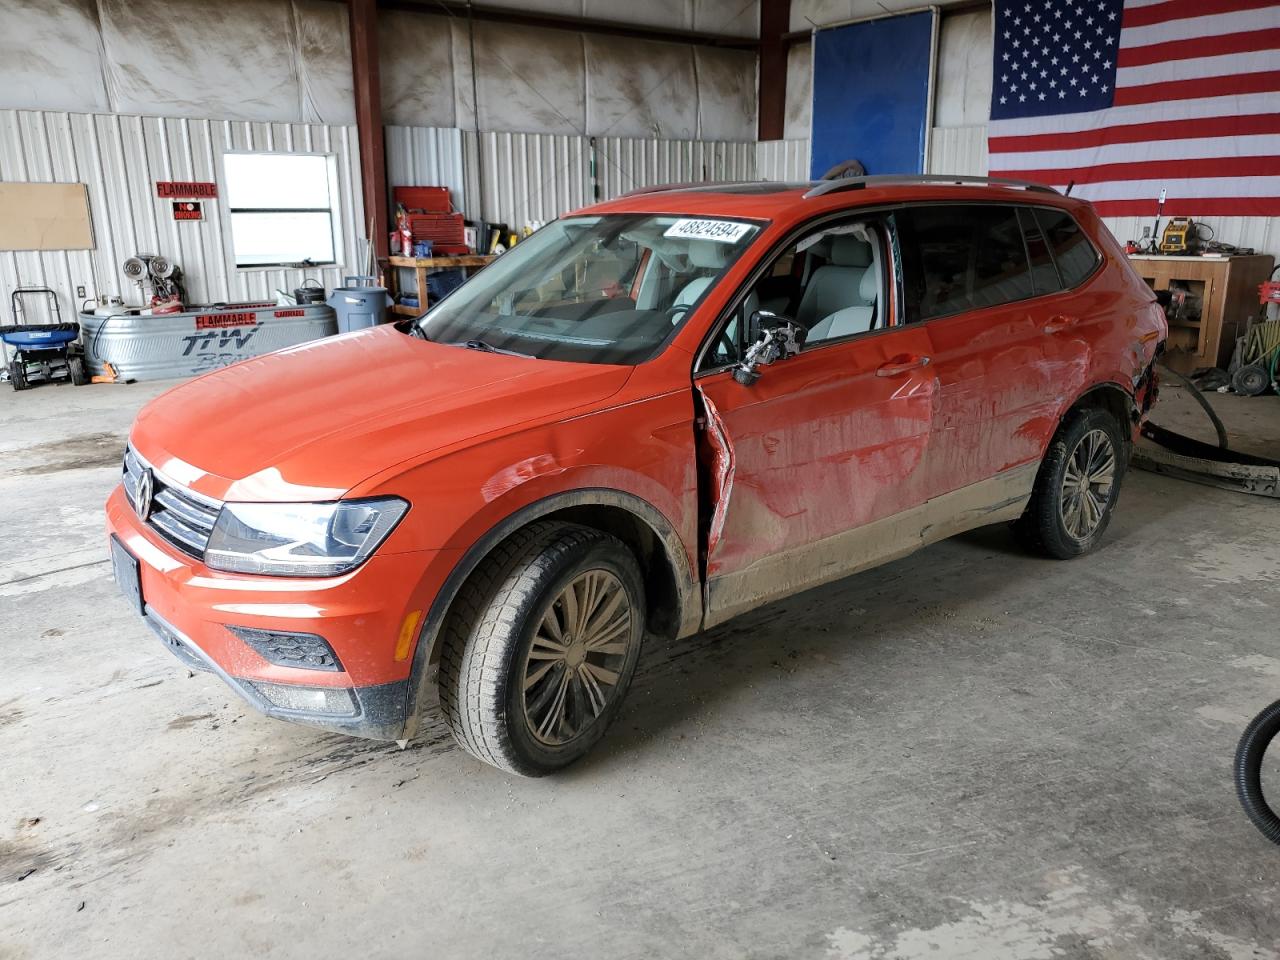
<point x="541" y="647"/>
<point x="18" y="375"/>
<point x="1077" y="486"/>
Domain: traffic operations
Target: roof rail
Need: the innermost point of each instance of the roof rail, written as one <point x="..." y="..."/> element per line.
<point x="823" y="187"/>
<point x="688" y="185"/>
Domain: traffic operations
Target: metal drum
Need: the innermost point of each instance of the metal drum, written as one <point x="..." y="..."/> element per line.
<point x="196" y="341"/>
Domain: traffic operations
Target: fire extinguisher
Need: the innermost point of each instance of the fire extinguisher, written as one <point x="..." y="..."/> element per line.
<point x="406" y="234"/>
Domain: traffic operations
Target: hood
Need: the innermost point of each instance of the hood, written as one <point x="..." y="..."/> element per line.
<point x="312" y="421"/>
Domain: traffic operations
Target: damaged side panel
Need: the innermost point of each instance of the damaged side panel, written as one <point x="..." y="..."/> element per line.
<point x="721" y="468"/>
<point x="820" y="445"/>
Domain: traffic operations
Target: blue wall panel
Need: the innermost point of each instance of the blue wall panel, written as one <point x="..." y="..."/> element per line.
<point x="871" y="94"/>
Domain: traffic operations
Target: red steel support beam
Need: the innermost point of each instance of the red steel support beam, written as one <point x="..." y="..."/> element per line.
<point x="368" y="91"/>
<point x="775" y="22"/>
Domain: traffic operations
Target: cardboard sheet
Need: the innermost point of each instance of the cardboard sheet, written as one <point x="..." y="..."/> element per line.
<point x="45" y="216"/>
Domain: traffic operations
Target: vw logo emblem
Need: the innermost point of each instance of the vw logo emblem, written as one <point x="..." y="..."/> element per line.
<point x="146" y="489"/>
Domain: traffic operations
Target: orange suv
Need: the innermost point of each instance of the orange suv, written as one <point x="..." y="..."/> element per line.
<point x="651" y="416"/>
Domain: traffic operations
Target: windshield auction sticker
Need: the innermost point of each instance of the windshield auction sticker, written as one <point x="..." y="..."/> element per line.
<point x="722" y="231"/>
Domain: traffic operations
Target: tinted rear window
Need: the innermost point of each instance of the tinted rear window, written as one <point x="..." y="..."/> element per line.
<point x="1074" y="254"/>
<point x="1044" y="275"/>
<point x="962" y="257"/>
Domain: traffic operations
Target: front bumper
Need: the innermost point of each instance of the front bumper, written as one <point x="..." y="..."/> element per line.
<point x="360" y="615"/>
<point x="379" y="712"/>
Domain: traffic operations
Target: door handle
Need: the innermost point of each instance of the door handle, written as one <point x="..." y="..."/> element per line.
<point x="1060" y="322"/>
<point x="898" y="365"/>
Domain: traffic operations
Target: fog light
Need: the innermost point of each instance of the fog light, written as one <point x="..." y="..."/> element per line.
<point x="305" y="651"/>
<point x="336" y="701"/>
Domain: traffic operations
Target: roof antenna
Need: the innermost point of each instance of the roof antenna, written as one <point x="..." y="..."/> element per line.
<point x="1069" y="186"/>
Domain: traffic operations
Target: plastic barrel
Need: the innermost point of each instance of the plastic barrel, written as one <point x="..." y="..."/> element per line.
<point x="359" y="306"/>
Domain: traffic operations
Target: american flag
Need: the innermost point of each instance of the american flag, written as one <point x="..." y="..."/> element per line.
<point x="1131" y="97"/>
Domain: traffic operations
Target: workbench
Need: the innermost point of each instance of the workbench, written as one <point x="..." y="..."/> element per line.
<point x="421" y="267"/>
<point x="1227" y="291"/>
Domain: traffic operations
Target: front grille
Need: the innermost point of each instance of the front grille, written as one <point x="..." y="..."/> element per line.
<point x="182" y="517"/>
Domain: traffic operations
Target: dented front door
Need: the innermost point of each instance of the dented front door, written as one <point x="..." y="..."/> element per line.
<point x="809" y="465"/>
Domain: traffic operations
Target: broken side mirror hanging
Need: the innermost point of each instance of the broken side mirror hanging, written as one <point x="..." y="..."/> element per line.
<point x="777" y="338"/>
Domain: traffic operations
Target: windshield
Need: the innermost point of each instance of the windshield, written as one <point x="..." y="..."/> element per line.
<point x="597" y="289"/>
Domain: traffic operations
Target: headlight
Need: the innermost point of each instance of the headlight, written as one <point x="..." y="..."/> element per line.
<point x="300" y="539"/>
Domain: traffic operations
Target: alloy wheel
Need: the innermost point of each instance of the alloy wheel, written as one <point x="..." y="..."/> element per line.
<point x="1088" y="484"/>
<point x="576" y="657"/>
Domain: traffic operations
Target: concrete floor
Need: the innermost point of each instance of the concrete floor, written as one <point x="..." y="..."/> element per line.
<point x="968" y="753"/>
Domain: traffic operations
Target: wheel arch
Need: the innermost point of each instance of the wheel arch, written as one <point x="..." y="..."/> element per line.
<point x="1112" y="397"/>
<point x="674" y="603"/>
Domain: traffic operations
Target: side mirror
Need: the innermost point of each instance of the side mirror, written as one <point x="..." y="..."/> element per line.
<point x="776" y="338"/>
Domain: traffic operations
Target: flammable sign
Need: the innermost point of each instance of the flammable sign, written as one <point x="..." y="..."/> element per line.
<point x="188" y="210"/>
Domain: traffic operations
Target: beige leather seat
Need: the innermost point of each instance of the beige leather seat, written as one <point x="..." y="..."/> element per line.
<point x="705" y="255"/>
<point x="840" y="298"/>
<point x="850" y="320"/>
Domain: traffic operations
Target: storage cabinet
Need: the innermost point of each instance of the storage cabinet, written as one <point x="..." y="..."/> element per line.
<point x="1218" y="294"/>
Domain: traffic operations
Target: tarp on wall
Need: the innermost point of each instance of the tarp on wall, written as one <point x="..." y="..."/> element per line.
<point x="871" y="94"/>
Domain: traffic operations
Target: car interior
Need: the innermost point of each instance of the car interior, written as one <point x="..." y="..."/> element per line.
<point x="831" y="281"/>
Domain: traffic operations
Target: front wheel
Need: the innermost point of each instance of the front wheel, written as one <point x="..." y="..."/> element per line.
<point x="76" y="367"/>
<point x="1250" y="755"/>
<point x="1077" y="486"/>
<point x="541" y="646"/>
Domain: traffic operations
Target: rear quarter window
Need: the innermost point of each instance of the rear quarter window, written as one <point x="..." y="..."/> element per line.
<point x="1074" y="255"/>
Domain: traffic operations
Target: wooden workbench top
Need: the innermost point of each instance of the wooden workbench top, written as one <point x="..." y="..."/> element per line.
<point x="469" y="260"/>
<point x="1197" y="258"/>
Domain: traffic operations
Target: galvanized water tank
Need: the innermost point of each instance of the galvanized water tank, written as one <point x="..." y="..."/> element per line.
<point x="198" y="340"/>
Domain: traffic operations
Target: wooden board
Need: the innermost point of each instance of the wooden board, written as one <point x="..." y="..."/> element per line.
<point x="470" y="260"/>
<point x="45" y="216"/>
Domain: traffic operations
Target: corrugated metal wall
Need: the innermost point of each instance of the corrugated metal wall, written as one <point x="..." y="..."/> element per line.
<point x="120" y="158"/>
<point x="958" y="150"/>
<point x="427" y="156"/>
<point x="782" y="160"/>
<point x="536" y="177"/>
<point x="527" y="177"/>
<point x="626" y="164"/>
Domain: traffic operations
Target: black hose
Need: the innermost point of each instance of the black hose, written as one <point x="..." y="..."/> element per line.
<point x="1248" y="771"/>
<point x="1195" y="392"/>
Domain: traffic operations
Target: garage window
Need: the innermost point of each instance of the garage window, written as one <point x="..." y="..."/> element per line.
<point x="282" y="209"/>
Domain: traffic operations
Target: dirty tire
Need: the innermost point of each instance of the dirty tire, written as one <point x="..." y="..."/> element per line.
<point x="1248" y="770"/>
<point x="491" y="628"/>
<point x="1042" y="527"/>
<point x="76" y="367"/>
<point x="18" y="376"/>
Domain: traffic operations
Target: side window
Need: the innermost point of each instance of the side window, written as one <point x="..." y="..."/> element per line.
<point x="1001" y="273"/>
<point x="833" y="280"/>
<point x="1074" y="254"/>
<point x="963" y="257"/>
<point x="1044" y="275"/>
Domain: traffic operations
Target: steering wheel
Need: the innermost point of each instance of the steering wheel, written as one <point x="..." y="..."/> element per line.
<point x="727" y="346"/>
<point x="674" y="313"/>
